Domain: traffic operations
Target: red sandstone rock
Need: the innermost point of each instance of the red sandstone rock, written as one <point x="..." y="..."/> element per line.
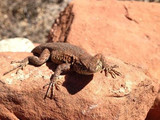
<point x="103" y="25"/>
<point x="154" y="111"/>
<point x="126" y="30"/>
<point x="99" y="26"/>
<point x="80" y="97"/>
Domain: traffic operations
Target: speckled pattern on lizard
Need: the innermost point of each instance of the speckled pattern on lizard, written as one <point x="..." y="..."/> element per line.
<point x="68" y="57"/>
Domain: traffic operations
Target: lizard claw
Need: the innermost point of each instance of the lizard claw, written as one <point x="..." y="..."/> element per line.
<point x="52" y="85"/>
<point x="49" y="87"/>
<point x="112" y="72"/>
<point x="21" y="65"/>
<point x="12" y="62"/>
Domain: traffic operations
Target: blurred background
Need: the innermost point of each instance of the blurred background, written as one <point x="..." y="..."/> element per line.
<point x="31" y="19"/>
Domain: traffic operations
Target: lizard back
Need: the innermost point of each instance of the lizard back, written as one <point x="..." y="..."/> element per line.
<point x="62" y="52"/>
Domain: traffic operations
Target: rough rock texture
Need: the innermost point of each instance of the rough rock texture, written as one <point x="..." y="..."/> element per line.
<point x="125" y="36"/>
<point x="144" y="0"/>
<point x="61" y="27"/>
<point x="126" y="30"/>
<point x="80" y="97"/>
<point x="155" y="110"/>
<point x="16" y="45"/>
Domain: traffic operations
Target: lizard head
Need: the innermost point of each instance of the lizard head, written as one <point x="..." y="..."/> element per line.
<point x="91" y="65"/>
<point x="95" y="64"/>
<point x="88" y="65"/>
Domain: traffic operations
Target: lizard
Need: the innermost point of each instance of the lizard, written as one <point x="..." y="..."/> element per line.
<point x="67" y="57"/>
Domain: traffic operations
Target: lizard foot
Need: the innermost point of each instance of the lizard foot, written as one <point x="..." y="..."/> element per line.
<point x="112" y="71"/>
<point x="21" y="66"/>
<point x="52" y="85"/>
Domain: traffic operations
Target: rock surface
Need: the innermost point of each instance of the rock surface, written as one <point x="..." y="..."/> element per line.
<point x="153" y="114"/>
<point x="16" y="45"/>
<point x="126" y="30"/>
<point x="123" y="37"/>
<point x="80" y="97"/>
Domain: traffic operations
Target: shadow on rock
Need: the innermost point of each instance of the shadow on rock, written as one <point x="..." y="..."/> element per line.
<point x="75" y="82"/>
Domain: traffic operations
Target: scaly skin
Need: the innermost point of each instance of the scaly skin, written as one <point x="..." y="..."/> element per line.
<point x="67" y="57"/>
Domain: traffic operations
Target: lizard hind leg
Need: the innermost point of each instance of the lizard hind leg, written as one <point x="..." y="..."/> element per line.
<point x="44" y="56"/>
<point x="54" y="83"/>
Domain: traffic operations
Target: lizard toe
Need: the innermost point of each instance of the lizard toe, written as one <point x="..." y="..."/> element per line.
<point x="52" y="85"/>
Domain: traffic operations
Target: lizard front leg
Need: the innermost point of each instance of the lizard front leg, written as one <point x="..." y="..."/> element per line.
<point x="106" y="68"/>
<point x="44" y="56"/>
<point x="54" y="82"/>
